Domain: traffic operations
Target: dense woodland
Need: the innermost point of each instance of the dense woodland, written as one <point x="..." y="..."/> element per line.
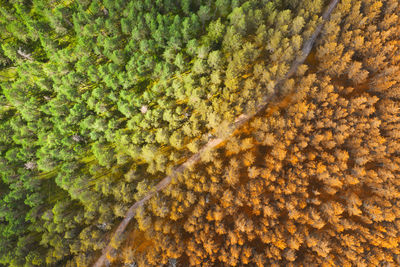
<point x="313" y="181"/>
<point x="99" y="100"/>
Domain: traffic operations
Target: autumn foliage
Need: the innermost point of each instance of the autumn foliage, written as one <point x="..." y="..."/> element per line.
<point x="314" y="183"/>
<point x="100" y="100"/>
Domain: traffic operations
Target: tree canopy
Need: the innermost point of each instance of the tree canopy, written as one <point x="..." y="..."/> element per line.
<point x="100" y="99"/>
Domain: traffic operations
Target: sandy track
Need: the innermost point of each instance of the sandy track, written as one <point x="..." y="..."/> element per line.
<point x="212" y="143"/>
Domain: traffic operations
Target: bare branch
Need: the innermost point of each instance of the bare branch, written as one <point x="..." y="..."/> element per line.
<point x="24" y="54"/>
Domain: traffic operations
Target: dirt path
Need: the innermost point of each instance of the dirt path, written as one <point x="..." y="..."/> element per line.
<point x="242" y="119"/>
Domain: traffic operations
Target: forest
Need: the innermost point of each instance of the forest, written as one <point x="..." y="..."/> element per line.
<point x="100" y="100"/>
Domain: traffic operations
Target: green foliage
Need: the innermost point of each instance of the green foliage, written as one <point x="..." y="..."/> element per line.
<point x="91" y="90"/>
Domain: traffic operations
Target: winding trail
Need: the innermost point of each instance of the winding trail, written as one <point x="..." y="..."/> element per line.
<point x="212" y="143"/>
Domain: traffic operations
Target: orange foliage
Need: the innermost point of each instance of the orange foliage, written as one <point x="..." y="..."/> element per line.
<point x="312" y="181"/>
